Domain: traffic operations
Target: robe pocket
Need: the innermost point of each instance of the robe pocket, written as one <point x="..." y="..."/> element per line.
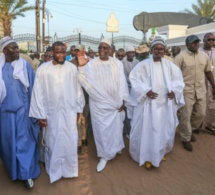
<point x="34" y="128"/>
<point x="13" y="102"/>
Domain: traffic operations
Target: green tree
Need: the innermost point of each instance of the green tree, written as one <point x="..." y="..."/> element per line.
<point x="204" y="8"/>
<point x="10" y="10"/>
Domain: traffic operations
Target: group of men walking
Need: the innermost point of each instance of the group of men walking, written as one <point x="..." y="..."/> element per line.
<point x="153" y="91"/>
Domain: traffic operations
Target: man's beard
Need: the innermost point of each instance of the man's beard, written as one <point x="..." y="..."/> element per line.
<point x="56" y="60"/>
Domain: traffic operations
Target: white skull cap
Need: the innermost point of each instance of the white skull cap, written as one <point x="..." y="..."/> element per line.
<point x="107" y="41"/>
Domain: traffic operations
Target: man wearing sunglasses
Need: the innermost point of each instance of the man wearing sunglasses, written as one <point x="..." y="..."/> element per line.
<point x="104" y="80"/>
<point x="209" y="40"/>
<point x="72" y="53"/>
<point x="195" y="66"/>
<point x="120" y="54"/>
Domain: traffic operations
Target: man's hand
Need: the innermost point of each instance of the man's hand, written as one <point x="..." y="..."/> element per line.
<point x="152" y="94"/>
<point x="81" y="58"/>
<point x="171" y="95"/>
<point x="122" y="107"/>
<point x="43" y="122"/>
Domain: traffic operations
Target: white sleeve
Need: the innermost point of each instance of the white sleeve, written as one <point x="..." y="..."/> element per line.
<point x="37" y="109"/>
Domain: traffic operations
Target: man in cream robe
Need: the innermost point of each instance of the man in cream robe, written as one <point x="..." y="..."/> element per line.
<point x="56" y="99"/>
<point x="157" y="92"/>
<point x="104" y="80"/>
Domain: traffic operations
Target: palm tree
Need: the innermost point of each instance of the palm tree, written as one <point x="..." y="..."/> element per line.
<point x="10" y="10"/>
<point x="203" y="8"/>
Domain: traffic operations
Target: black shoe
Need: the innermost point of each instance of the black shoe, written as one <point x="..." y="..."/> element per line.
<point x="187" y="146"/>
<point x="29" y="183"/>
<point x="212" y="131"/>
<point x="84" y="142"/>
<point x="197" y="131"/>
<point x="193" y="139"/>
<point x="79" y="149"/>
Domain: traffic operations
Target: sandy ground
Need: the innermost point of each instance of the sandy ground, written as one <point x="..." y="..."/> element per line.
<point x="183" y="173"/>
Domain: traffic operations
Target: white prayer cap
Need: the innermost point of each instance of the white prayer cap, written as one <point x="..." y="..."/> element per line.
<point x="6" y="41"/>
<point x="107" y="41"/>
<point x="158" y="41"/>
<point x="80" y="47"/>
<point x="129" y="48"/>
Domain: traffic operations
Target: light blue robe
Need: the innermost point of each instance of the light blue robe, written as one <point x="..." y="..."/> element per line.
<point x="18" y="133"/>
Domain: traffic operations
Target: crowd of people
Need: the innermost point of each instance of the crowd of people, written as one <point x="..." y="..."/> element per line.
<point x="141" y="92"/>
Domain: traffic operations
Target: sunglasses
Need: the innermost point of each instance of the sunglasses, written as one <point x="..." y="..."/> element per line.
<point x="48" y="56"/>
<point x="210" y="39"/>
<point x="103" y="47"/>
<point x="160" y="50"/>
<point x="120" y="56"/>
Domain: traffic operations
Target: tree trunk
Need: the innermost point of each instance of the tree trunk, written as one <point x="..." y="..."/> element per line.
<point x="7" y="28"/>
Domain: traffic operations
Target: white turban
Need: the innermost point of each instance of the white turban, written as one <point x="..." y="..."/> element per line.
<point x="6" y="41"/>
<point x="107" y="41"/>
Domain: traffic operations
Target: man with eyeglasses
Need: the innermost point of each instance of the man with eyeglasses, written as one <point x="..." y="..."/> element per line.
<point x="156" y="94"/>
<point x="195" y="66"/>
<point x="120" y="54"/>
<point x="104" y="80"/>
<point x="209" y="121"/>
<point x="48" y="54"/>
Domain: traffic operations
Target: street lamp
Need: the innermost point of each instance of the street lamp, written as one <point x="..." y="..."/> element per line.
<point x="46" y="39"/>
<point x="79" y="31"/>
<point x="49" y="15"/>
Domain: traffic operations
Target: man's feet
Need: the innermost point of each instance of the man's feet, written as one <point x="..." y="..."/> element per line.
<point x="120" y="152"/>
<point x="212" y="131"/>
<point x="187" y="146"/>
<point x="101" y="165"/>
<point x="148" y="165"/>
<point x="29" y="183"/>
<point x="84" y="142"/>
<point x="193" y="139"/>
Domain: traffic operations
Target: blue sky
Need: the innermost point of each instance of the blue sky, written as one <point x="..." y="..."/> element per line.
<point x="90" y="15"/>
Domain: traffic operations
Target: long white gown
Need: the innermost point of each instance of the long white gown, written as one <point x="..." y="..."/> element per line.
<point x="106" y="85"/>
<point x="57" y="96"/>
<point x="154" y="121"/>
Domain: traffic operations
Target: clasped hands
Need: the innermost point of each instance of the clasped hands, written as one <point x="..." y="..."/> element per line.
<point x="154" y="95"/>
